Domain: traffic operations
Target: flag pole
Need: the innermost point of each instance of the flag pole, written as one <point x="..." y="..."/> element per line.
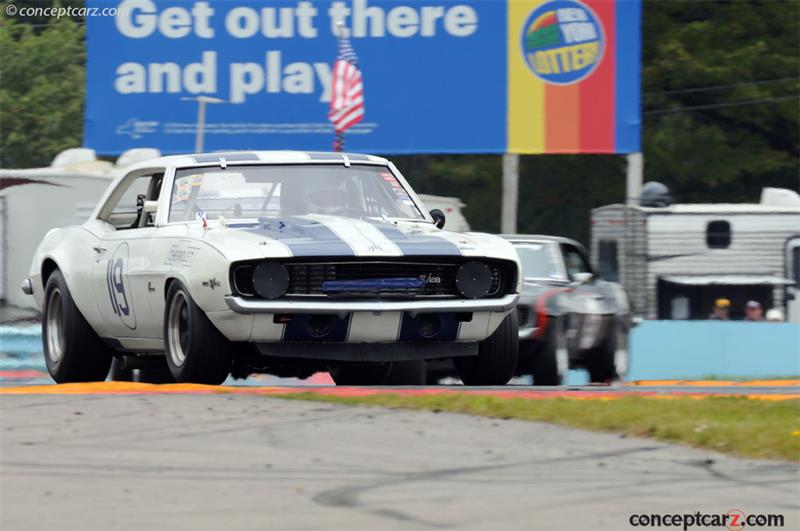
<point x="338" y="140"/>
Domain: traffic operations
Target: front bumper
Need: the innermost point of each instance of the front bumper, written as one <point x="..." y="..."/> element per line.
<point x="247" y="306"/>
<point x="27" y="287"/>
<point x="528" y="333"/>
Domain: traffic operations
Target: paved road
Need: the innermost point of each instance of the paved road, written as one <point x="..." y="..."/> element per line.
<point x="230" y="462"/>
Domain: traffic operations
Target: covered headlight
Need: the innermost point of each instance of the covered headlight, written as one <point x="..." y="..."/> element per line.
<point x="270" y="280"/>
<point x="474" y="280"/>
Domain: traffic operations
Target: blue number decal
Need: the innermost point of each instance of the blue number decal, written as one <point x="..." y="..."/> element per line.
<point x="116" y="287"/>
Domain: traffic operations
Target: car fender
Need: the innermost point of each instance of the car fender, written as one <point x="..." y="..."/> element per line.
<point x="197" y="264"/>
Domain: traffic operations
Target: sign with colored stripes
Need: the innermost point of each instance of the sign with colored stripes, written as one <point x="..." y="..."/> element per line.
<point x="446" y="76"/>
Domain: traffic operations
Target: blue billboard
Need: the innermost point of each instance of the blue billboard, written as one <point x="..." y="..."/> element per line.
<point x="438" y="77"/>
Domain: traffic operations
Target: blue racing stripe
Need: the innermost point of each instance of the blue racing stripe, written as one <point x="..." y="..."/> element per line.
<point x="303" y="237"/>
<point x="418" y="244"/>
<point x="409" y="328"/>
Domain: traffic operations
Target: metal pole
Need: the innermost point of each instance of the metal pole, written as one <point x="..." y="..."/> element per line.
<point x="633" y="188"/>
<point x="508" y="220"/>
<point x="201" y="125"/>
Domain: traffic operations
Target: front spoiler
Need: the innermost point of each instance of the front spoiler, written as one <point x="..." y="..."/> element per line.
<point x="332" y="306"/>
<point x="369" y="352"/>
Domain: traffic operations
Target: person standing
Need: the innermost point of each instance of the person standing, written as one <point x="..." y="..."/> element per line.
<point x="721" y="310"/>
<point x="753" y="311"/>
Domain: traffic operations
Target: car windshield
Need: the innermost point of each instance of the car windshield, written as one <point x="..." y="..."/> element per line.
<point x="539" y="261"/>
<point x="247" y="192"/>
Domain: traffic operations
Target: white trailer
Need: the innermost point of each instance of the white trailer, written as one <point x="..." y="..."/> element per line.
<point x="675" y="261"/>
<point x="35" y="200"/>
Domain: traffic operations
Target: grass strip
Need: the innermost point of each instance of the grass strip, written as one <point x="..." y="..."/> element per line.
<point x="735" y="425"/>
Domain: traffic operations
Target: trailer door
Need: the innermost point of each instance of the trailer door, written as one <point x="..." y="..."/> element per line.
<point x="793" y="273"/>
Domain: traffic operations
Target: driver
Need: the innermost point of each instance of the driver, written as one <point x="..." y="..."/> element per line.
<point x="333" y="195"/>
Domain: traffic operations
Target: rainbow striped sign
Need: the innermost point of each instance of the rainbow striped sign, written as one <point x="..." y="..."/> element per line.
<point x="573" y="76"/>
<point x="440" y="76"/>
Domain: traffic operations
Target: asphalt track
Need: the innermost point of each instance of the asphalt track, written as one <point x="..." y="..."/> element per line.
<point x="116" y="456"/>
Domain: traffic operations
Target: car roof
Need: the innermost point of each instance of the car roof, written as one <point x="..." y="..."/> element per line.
<point x="531" y="238"/>
<point x="255" y="157"/>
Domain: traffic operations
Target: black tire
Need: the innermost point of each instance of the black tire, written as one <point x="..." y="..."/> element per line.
<point x="497" y="356"/>
<point x="604" y="362"/>
<point x="158" y="373"/>
<point x="361" y="374"/>
<point x="550" y="363"/>
<point x="413" y="372"/>
<point x="196" y="351"/>
<point x="73" y="351"/>
<point x="118" y="373"/>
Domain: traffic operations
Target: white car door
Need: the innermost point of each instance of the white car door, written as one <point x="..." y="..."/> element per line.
<point x="122" y="272"/>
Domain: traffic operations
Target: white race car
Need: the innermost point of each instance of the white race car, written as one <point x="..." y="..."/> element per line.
<point x="275" y="262"/>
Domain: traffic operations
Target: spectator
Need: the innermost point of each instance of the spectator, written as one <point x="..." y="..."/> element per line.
<point x="753" y="311"/>
<point x="721" y="310"/>
<point x="774" y="315"/>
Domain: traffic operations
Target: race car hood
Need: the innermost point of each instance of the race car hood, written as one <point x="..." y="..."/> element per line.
<point x="328" y="236"/>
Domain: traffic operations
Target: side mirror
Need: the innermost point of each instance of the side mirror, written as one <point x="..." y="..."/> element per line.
<point x="583" y="278"/>
<point x="147" y="217"/>
<point x="150" y="207"/>
<point x="438" y="218"/>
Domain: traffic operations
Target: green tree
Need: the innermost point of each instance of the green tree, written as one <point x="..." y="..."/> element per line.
<point x="721" y="97"/>
<point x="42" y="75"/>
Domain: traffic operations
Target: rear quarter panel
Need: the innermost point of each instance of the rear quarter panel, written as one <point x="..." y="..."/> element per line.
<point x="71" y="249"/>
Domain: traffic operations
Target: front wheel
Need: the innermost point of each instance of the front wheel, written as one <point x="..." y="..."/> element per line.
<point x="610" y="361"/>
<point x="196" y="351"/>
<point x="497" y="356"/>
<point x="551" y="362"/>
<point x="72" y="350"/>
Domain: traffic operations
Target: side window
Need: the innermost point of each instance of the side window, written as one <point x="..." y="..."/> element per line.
<point x="126" y="212"/>
<point x="608" y="260"/>
<point x="718" y="234"/>
<point x="575" y="261"/>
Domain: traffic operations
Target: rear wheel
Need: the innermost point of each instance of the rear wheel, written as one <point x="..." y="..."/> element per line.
<point x="196" y="351"/>
<point x="72" y="350"/>
<point x="497" y="356"/>
<point x="610" y="361"/>
<point x="361" y="374"/>
<point x="550" y="363"/>
<point x="412" y="372"/>
<point x="118" y="371"/>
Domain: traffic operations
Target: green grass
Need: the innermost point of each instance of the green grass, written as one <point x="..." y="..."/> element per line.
<point x="717" y="377"/>
<point x="737" y="425"/>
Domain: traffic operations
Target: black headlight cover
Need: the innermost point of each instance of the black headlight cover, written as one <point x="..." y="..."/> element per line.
<point x="474" y="279"/>
<point x="270" y="280"/>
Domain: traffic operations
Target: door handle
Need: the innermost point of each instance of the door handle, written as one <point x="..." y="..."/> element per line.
<point x="99" y="250"/>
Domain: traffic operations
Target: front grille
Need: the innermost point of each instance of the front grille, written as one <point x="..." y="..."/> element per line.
<point x="306" y="278"/>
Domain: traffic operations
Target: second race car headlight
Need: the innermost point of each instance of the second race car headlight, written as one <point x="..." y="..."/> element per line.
<point x="474" y="280"/>
<point x="270" y="280"/>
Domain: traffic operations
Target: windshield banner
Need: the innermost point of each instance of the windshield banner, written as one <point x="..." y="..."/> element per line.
<point x="464" y="76"/>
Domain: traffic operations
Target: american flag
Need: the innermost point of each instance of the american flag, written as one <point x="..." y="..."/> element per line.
<point x="347" y="96"/>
